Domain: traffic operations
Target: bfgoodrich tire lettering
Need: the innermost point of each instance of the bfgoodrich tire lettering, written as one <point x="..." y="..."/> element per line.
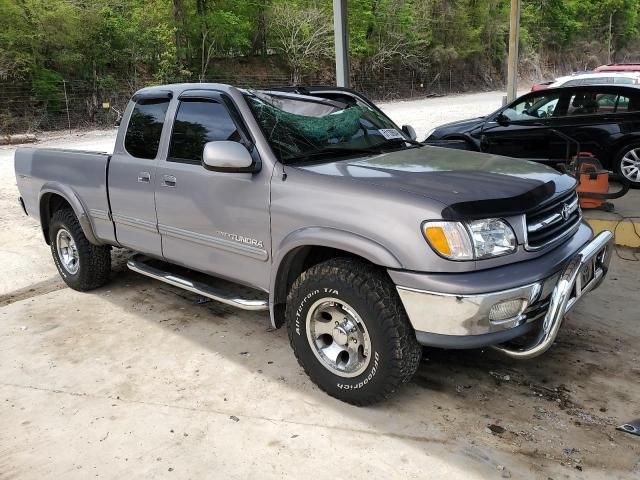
<point x="393" y="353"/>
<point x="93" y="261"/>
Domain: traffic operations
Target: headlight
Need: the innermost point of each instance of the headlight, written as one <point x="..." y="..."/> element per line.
<point x="492" y="238"/>
<point x="476" y="239"/>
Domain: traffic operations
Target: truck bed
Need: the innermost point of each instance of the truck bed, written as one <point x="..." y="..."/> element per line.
<point x="81" y="175"/>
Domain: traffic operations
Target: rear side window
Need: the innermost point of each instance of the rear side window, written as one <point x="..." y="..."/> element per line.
<point x="145" y="127"/>
<point x="597" y="81"/>
<point x="628" y="104"/>
<point x="199" y="122"/>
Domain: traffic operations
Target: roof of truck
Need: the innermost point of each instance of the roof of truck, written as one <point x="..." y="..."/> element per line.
<point x="176" y="88"/>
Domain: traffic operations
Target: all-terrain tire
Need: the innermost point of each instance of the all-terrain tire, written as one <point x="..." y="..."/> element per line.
<point x="394" y="353"/>
<point x="94" y="262"/>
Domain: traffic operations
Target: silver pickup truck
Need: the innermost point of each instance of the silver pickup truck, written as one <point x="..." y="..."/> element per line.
<point x="312" y="204"/>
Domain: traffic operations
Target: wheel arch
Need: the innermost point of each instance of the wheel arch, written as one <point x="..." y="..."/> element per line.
<point x="304" y="248"/>
<point x="55" y="196"/>
<point x="622" y="143"/>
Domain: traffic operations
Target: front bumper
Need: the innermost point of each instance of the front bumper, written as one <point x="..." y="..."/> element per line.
<point x="468" y="321"/>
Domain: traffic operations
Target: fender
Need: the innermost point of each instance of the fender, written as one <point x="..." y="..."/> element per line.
<point x="73" y="199"/>
<point x="323" y="237"/>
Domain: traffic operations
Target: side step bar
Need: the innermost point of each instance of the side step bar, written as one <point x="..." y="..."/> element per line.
<point x="137" y="264"/>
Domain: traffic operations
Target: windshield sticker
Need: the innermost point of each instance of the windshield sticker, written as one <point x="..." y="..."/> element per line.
<point x="390" y="133"/>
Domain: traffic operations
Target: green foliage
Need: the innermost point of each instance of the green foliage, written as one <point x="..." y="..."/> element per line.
<point x="550" y="23"/>
<point x="166" y="40"/>
<point x="48" y="88"/>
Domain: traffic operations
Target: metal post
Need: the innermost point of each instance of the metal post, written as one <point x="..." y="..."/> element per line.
<point x="341" y="30"/>
<point x="66" y="101"/>
<point x="514" y="36"/>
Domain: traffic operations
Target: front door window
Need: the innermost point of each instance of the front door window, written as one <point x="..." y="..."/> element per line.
<point x="533" y="108"/>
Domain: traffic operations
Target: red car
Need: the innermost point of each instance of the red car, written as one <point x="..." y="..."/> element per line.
<point x="619" y="67"/>
<point x="541" y="86"/>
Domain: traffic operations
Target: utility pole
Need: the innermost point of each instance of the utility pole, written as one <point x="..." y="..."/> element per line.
<point x="341" y="31"/>
<point x="610" y="35"/>
<point x="514" y="36"/>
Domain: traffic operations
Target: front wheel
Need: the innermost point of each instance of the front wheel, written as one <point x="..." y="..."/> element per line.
<point x="628" y="164"/>
<point x="349" y="331"/>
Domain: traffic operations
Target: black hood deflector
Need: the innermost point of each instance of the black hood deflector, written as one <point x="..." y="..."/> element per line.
<point x="501" y="207"/>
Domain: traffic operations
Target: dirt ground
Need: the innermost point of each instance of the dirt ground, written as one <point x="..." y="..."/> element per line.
<point x="138" y="379"/>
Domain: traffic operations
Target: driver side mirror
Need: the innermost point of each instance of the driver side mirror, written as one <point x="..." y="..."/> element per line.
<point x="227" y="156"/>
<point x="503" y="120"/>
<point x="410" y="132"/>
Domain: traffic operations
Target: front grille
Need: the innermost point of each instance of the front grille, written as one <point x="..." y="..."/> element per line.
<point x="553" y="222"/>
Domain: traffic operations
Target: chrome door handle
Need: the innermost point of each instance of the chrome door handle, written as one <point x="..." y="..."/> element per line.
<point x="168" y="181"/>
<point x="144" y="177"/>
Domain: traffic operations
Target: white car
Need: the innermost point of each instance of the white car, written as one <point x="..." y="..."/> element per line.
<point x="604" y="78"/>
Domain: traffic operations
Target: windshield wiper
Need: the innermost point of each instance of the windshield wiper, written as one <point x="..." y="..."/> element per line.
<point x="405" y="140"/>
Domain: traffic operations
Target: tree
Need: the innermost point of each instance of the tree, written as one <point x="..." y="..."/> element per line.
<point x="302" y="36"/>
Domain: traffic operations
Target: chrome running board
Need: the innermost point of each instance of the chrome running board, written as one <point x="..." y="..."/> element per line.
<point x="137" y="264"/>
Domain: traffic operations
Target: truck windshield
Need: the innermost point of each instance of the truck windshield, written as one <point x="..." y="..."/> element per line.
<point x="300" y="127"/>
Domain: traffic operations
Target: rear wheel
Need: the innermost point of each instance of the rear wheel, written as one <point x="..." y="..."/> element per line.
<point x="82" y="265"/>
<point x="349" y="331"/>
<point x="628" y="164"/>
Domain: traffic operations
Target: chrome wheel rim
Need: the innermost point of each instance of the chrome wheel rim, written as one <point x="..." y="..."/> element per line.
<point x="338" y="337"/>
<point x="67" y="251"/>
<point x="630" y="165"/>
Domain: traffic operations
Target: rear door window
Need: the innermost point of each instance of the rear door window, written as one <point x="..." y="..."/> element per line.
<point x="145" y="127"/>
<point x="199" y="122"/>
<point x="593" y="102"/>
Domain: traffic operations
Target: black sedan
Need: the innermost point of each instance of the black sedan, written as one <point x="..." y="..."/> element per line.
<point x="551" y="126"/>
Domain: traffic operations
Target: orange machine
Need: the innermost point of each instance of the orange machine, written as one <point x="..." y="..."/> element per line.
<point x="593" y="182"/>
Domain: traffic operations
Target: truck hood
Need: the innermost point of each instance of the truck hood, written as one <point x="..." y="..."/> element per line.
<point x="469" y="184"/>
